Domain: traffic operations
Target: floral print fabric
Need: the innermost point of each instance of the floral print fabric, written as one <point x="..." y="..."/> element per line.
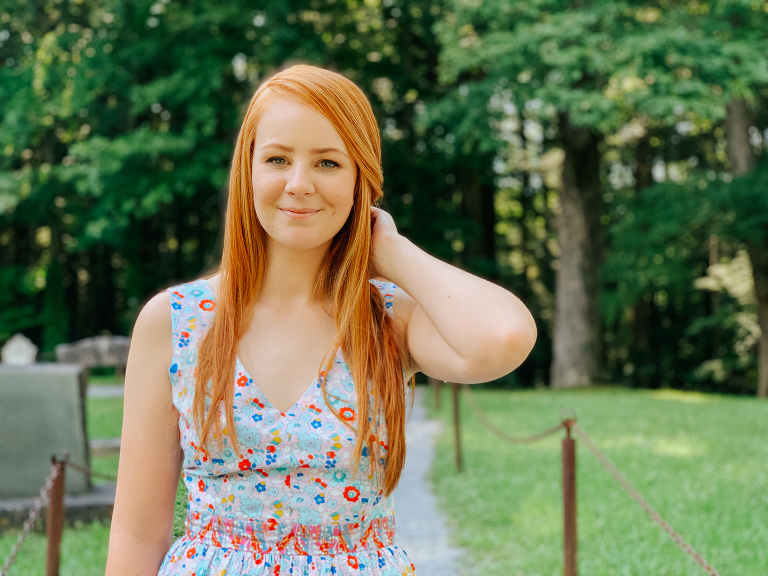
<point x="288" y="503"/>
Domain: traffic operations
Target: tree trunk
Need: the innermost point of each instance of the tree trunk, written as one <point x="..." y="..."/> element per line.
<point x="642" y="310"/>
<point x="577" y="344"/>
<point x="478" y="204"/>
<point x="743" y="160"/>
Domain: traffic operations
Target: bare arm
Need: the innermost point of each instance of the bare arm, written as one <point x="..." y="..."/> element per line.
<point x="456" y="326"/>
<point x="150" y="453"/>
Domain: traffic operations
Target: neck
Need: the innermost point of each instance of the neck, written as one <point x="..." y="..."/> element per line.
<point x="292" y="275"/>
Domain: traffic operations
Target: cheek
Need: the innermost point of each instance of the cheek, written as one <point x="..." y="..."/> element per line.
<point x="265" y="192"/>
<point x="343" y="199"/>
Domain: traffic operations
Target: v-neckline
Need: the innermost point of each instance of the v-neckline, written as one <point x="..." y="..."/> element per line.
<point x="239" y="363"/>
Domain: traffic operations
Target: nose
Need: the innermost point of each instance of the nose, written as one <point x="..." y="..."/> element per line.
<point x="299" y="182"/>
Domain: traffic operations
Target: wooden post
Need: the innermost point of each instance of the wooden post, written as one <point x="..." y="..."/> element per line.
<point x="569" y="502"/>
<point x="436" y="390"/>
<point x="456" y="423"/>
<point x="55" y="520"/>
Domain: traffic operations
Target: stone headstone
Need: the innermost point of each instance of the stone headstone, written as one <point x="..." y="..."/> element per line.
<point x="96" y="351"/>
<point x="18" y="351"/>
<point x="42" y="413"/>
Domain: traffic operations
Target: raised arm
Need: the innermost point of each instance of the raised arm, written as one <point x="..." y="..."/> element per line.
<point x="455" y="326"/>
<point x="150" y="453"/>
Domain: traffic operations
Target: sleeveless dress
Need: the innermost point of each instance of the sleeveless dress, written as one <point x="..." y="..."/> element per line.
<point x="290" y="504"/>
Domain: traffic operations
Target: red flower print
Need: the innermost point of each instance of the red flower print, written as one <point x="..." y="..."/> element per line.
<point x="243" y="380"/>
<point x="352" y="561"/>
<point x="272" y="523"/>
<point x="185" y="334"/>
<point x="271" y="448"/>
<point x="351" y="493"/>
<point x="191" y="552"/>
<point x="245" y="464"/>
<point x="347" y="413"/>
<point x="201" y="486"/>
<point x="207" y="305"/>
<point x="288" y="480"/>
<point x="331" y="454"/>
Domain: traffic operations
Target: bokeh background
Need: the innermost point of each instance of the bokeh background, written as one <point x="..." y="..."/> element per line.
<point x="599" y="159"/>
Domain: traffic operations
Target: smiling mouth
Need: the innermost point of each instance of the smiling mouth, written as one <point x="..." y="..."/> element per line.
<point x="299" y="212"/>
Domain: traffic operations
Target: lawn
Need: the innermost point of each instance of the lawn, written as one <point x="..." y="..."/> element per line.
<point x="700" y="460"/>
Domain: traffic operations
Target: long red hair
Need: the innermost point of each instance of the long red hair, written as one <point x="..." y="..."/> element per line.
<point x="364" y="330"/>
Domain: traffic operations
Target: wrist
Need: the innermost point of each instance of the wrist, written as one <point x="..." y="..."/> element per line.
<point x="390" y="255"/>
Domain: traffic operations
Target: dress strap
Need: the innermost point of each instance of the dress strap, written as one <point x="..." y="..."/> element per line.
<point x="387" y="290"/>
<point x="191" y="307"/>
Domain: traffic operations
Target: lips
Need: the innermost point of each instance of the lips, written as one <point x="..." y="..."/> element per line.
<point x="298" y="213"/>
<point x="300" y="210"/>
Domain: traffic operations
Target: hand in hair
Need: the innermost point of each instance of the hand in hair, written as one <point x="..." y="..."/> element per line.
<point x="453" y="325"/>
<point x="383" y="233"/>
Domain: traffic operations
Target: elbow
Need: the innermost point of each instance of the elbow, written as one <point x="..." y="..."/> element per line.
<point x="516" y="344"/>
<point x="502" y="353"/>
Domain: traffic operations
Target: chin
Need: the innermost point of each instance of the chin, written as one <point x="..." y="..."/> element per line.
<point x="301" y="242"/>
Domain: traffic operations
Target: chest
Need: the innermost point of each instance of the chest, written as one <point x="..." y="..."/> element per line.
<point x="282" y="353"/>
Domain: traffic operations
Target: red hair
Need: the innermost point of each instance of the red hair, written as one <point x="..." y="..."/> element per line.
<point x="364" y="330"/>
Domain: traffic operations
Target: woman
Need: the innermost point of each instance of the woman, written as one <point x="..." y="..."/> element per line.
<point x="286" y="477"/>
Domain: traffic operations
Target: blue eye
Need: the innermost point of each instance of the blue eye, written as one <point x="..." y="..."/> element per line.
<point x="331" y="161"/>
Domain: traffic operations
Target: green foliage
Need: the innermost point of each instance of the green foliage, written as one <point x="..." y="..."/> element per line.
<point x="117" y="123"/>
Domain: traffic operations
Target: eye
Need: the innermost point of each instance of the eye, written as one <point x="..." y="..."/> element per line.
<point x="331" y="161"/>
<point x="276" y="158"/>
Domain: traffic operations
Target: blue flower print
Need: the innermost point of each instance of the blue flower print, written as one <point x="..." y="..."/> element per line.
<point x="290" y="468"/>
<point x="309" y="516"/>
<point x="310" y="442"/>
<point x="300" y="501"/>
<point x="252" y="507"/>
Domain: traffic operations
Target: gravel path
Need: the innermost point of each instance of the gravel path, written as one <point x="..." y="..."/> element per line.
<point x="420" y="528"/>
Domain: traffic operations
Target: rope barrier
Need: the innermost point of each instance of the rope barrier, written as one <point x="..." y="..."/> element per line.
<point x="40" y="501"/>
<point x="89" y="472"/>
<point x="569" y="421"/>
<point x="30" y="521"/>
<point x="503" y="436"/>
<point x="637" y="497"/>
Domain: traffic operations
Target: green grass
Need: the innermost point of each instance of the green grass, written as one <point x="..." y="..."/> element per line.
<point x="83" y="551"/>
<point x="104" y="417"/>
<point x="101" y="380"/>
<point x="700" y="460"/>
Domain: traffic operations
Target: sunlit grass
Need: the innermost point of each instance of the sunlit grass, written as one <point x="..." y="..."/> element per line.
<point x="83" y="550"/>
<point x="701" y="461"/>
<point x="104" y="417"/>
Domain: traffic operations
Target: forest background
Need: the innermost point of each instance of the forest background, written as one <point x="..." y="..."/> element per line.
<point x="604" y="160"/>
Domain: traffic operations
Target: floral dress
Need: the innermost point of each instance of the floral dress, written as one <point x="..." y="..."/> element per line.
<point x="290" y="504"/>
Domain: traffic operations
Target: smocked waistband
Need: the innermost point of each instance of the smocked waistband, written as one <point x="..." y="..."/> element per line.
<point x="271" y="536"/>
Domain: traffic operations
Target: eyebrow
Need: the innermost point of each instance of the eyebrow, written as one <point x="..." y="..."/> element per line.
<point x="313" y="151"/>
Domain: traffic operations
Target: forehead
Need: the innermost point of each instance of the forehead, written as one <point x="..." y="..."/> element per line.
<point x="297" y="125"/>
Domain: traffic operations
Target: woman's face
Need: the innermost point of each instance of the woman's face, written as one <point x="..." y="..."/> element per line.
<point x="302" y="175"/>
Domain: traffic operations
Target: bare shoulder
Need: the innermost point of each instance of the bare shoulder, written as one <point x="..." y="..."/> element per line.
<point x="213" y="282"/>
<point x="154" y="320"/>
<point x="151" y="351"/>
